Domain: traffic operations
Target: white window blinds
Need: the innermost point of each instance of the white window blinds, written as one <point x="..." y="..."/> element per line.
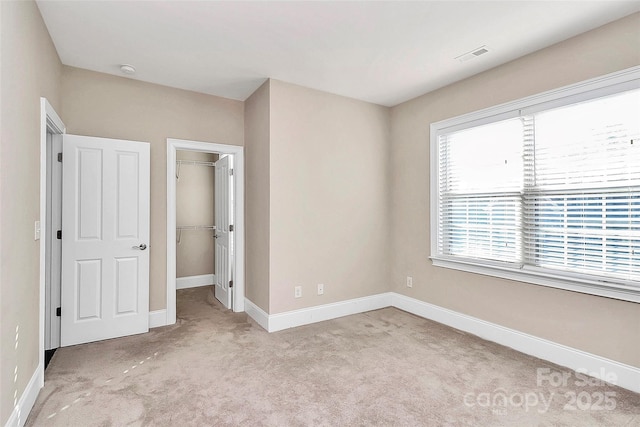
<point x="582" y="187"/>
<point x="480" y="192"/>
<point x="557" y="189"/>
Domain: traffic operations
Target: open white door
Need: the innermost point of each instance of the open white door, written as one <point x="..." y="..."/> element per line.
<point x="223" y="220"/>
<point x="105" y="233"/>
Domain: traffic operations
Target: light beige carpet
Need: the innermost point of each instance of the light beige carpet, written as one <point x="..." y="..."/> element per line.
<point x="384" y="367"/>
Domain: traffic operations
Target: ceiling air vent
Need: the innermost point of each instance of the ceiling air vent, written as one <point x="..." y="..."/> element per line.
<point x="473" y="54"/>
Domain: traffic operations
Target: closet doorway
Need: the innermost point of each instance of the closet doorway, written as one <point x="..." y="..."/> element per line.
<point x="195" y="219"/>
<point x="205" y="212"/>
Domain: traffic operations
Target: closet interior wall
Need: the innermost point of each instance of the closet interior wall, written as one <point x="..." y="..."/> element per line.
<point x="195" y="200"/>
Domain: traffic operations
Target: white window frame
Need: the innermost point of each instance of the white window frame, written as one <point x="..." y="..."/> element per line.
<point x="590" y="89"/>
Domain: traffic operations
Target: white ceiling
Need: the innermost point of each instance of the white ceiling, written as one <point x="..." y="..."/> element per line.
<point x="381" y="52"/>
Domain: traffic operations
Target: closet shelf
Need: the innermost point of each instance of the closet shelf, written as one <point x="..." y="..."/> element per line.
<point x="195" y="163"/>
<point x="196" y="227"/>
<point x="191" y="162"/>
<point x="182" y="228"/>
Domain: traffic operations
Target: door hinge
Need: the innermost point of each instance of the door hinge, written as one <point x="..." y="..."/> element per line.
<point x="231" y="228"/>
<point x="59" y="311"/>
<point x="59" y="234"/>
<point x="60" y="157"/>
<point x="231" y="172"/>
<point x="230" y="283"/>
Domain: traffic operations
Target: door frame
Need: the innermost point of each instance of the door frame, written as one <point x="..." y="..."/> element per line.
<point x="174" y="145"/>
<point x="50" y="122"/>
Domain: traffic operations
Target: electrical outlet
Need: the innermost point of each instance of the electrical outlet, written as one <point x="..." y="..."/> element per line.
<point x="320" y="289"/>
<point x="297" y="293"/>
<point x="409" y="282"/>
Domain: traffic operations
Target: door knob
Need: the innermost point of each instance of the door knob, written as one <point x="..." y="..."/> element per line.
<point x="142" y="247"/>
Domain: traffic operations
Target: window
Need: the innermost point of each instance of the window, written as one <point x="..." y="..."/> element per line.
<point x="545" y="189"/>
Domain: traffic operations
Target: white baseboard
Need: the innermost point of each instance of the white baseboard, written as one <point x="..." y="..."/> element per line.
<point x="20" y="413"/>
<point x="195" y="281"/>
<point x="257" y="314"/>
<point x="319" y="313"/>
<point x="626" y="376"/>
<point x="157" y="318"/>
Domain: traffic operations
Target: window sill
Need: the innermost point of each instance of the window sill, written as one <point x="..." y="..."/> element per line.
<point x="542" y="277"/>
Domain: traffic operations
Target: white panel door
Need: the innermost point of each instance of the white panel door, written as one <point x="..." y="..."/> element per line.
<point x="223" y="221"/>
<point x="105" y="233"/>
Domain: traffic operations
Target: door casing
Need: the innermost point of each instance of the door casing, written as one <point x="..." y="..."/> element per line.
<point x="53" y="246"/>
<point x="50" y="123"/>
<point x="174" y="145"/>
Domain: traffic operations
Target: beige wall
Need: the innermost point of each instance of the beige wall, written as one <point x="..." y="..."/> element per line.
<point x="602" y="326"/>
<point x="329" y="199"/>
<point x="96" y="104"/>
<point x="256" y="133"/>
<point x="194" y="206"/>
<point x="30" y="68"/>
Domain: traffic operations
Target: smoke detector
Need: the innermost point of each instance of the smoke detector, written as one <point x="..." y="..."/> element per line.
<point x="127" y="69"/>
<point x="473" y="54"/>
